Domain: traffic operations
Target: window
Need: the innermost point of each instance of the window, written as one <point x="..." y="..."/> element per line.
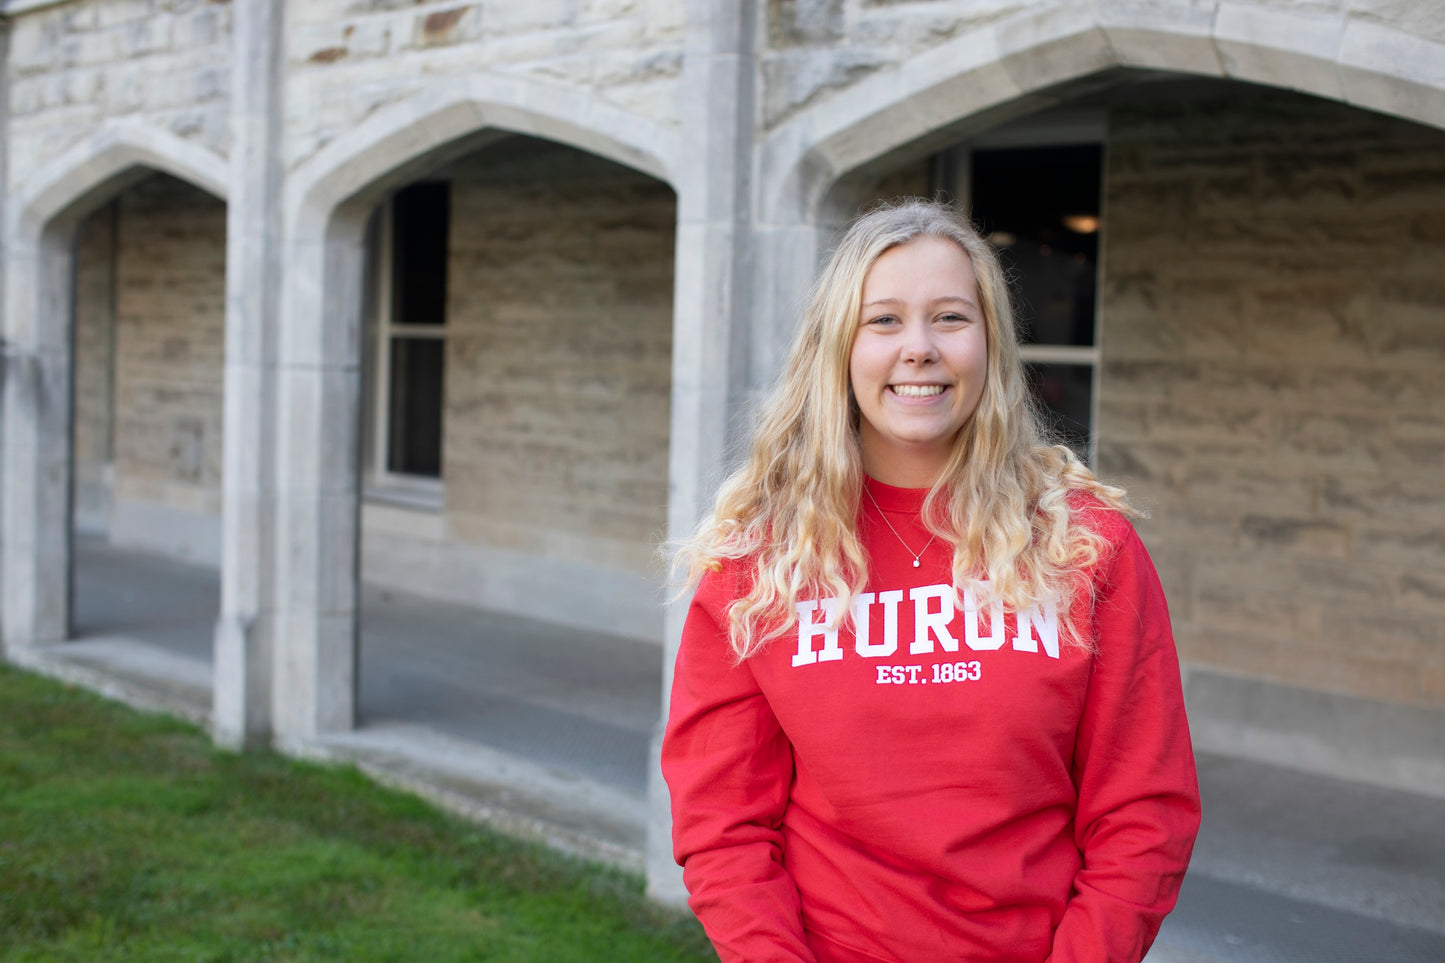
<point x="409" y="341"/>
<point x="1035" y="191"/>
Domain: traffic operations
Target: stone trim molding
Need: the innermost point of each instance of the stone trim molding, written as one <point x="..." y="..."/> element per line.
<point x="1398" y="747"/>
<point x="13" y="8"/>
<point x="987" y="74"/>
<point x="87" y="168"/>
<point x="393" y="140"/>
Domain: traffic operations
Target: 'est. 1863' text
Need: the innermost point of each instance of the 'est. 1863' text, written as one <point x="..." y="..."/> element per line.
<point x="970" y="671"/>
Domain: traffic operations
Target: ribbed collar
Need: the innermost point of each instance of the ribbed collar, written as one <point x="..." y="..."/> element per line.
<point x="890" y="499"/>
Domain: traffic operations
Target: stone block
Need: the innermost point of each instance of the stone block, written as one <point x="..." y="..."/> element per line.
<point x="116" y="13"/>
<point x="1148" y="207"/>
<point x="461" y="23"/>
<point x="1344" y="581"/>
<point x="1241" y="427"/>
<point x="1151" y="38"/>
<point x="1422" y="590"/>
<point x="1250" y="488"/>
<point x="1414" y="67"/>
<point x="1372" y="387"/>
<point x="794" y="80"/>
<point x="1232" y="608"/>
<point x="149" y="36"/>
<point x="1399" y="544"/>
<point x="34" y="44"/>
<point x="1310" y="536"/>
<point x="1208" y="319"/>
<point x="1371" y="496"/>
<point x="801" y="23"/>
<point x="1326" y="322"/>
<point x="1419" y="444"/>
<point x="1407" y="325"/>
<point x="1135" y="333"/>
<point x="1158" y="464"/>
<point x="1218" y="570"/>
<point x="1049" y="44"/>
<point x="1123" y="420"/>
<point x="1397" y="190"/>
<point x="1175" y="565"/>
<point x="1384" y="636"/>
<point x="1333" y="442"/>
<point x="26" y="95"/>
<point x="81" y="86"/>
<point x="80" y="16"/>
<point x="512" y="18"/>
<point x="1353" y="671"/>
<point x="315" y="673"/>
<point x="1293" y="50"/>
<point x="127" y="90"/>
<point x="92" y="49"/>
<point x="199" y="27"/>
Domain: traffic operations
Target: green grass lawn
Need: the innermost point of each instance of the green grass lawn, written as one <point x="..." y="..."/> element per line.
<point x="126" y="836"/>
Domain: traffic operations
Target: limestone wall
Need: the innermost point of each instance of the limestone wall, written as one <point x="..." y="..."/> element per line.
<point x="348" y="59"/>
<point x="559" y="355"/>
<point x="1274" y="333"/>
<point x="74" y="65"/>
<point x="169" y="348"/>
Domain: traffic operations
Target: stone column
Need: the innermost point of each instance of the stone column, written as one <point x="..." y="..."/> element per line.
<point x="37" y="403"/>
<point x="710" y="364"/>
<point x="318" y="522"/>
<point x="244" y="631"/>
<point x="317" y="551"/>
<point x="36" y="384"/>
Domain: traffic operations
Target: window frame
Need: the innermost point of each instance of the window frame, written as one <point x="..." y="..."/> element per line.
<point x="379" y="482"/>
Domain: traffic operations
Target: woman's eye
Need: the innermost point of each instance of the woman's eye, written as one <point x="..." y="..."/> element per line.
<point x="885" y="319"/>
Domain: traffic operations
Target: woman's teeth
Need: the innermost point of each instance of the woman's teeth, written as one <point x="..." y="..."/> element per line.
<point x="917" y="391"/>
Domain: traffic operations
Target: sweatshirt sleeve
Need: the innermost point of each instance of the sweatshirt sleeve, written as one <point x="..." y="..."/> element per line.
<point x="729" y="768"/>
<point x="1138" y="796"/>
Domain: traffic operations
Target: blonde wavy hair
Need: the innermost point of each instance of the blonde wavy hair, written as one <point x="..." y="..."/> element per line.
<point x="788" y="516"/>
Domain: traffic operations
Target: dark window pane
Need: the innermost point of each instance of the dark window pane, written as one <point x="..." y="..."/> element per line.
<point x="415" y="422"/>
<point x="1063" y="392"/>
<point x="419" y="227"/>
<point x="1040" y="208"/>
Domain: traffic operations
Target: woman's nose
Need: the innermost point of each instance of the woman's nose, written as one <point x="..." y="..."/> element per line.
<point x="918" y="346"/>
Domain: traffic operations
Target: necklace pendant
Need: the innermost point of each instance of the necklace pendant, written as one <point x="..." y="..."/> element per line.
<point x="915" y="563"/>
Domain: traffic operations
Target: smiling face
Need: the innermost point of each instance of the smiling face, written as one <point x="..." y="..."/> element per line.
<point x="919" y="359"/>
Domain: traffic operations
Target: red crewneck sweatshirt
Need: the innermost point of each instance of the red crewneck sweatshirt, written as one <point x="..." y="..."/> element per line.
<point x="948" y="784"/>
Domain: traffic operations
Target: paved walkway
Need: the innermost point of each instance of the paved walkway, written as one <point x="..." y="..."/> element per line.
<point x="545" y="731"/>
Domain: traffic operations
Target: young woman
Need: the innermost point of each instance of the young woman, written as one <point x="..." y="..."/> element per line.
<point x="927" y="705"/>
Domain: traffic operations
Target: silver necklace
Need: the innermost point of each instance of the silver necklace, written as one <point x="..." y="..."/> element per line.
<point x="916" y="556"/>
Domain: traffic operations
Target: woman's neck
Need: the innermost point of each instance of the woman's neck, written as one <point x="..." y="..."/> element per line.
<point x="902" y="469"/>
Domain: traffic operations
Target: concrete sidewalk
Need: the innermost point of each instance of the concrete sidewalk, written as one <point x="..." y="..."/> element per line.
<point x="544" y="731"/>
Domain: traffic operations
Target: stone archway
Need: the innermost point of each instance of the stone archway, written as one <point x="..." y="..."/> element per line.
<point x="38" y="307"/>
<point x="325" y="206"/>
<point x="811" y="167"/>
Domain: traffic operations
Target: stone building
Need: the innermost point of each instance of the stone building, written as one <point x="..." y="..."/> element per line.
<point x="480" y="292"/>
